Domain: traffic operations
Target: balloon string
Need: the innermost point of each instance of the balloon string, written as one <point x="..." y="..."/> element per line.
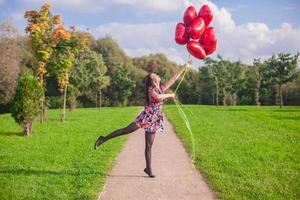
<point x="184" y="117"/>
<point x="185" y="71"/>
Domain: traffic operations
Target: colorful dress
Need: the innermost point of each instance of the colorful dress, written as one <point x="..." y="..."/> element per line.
<point x="151" y="118"/>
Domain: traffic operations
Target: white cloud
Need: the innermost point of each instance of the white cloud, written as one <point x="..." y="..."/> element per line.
<point x="251" y="40"/>
<point x="98" y="5"/>
<point x="235" y="42"/>
<point x="76" y="5"/>
<point x="239" y="7"/>
<point x="165" y="5"/>
<point x="143" y="39"/>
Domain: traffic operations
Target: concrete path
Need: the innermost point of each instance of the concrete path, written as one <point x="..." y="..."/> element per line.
<point x="176" y="178"/>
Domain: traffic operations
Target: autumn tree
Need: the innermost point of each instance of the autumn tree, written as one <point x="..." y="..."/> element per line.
<point x="68" y="45"/>
<point x="40" y="27"/>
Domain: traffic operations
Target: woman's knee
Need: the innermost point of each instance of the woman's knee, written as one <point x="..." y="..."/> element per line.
<point x="130" y="128"/>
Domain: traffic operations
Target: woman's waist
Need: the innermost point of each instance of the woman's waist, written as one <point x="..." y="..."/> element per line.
<point x="154" y="105"/>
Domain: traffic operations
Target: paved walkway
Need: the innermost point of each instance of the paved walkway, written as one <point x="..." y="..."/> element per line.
<point x="176" y="178"/>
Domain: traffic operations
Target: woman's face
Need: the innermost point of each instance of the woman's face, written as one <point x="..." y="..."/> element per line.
<point x="155" y="79"/>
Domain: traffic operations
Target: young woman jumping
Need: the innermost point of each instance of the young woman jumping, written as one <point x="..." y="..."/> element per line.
<point x="151" y="118"/>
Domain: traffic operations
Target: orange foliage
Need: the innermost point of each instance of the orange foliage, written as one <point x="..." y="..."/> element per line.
<point x="60" y="33"/>
<point x="46" y="6"/>
<point x="30" y="13"/>
<point x="57" y="19"/>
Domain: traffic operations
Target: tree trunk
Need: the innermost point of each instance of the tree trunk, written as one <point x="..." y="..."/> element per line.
<point x="27" y="127"/>
<point x="280" y="95"/>
<point x="100" y="99"/>
<point x="234" y="99"/>
<point x="257" y="93"/>
<point x="224" y="98"/>
<point x="230" y="99"/>
<point x="63" y="113"/>
<point x="97" y="100"/>
<point x="42" y="102"/>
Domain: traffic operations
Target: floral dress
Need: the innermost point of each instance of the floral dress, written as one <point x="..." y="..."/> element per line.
<point x="151" y="118"/>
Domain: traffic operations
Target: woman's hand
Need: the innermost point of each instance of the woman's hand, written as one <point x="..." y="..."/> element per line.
<point x="188" y="63"/>
<point x="171" y="95"/>
<point x="169" y="83"/>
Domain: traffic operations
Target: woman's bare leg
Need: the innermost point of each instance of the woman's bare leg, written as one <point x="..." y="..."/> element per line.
<point x="122" y="131"/>
<point x="149" y="139"/>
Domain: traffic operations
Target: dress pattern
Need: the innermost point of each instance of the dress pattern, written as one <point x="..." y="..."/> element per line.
<point x="151" y="118"/>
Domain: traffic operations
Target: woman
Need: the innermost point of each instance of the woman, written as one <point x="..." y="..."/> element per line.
<point x="151" y="118"/>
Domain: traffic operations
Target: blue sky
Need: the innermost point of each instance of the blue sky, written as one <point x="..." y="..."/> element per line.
<point x="245" y="29"/>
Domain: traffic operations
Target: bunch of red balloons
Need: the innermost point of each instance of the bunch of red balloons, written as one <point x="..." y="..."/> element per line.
<point x="195" y="32"/>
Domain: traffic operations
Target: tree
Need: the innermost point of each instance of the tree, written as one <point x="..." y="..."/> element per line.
<point x="234" y="78"/>
<point x="9" y="61"/>
<point x="283" y="69"/>
<point x="209" y="75"/>
<point x="66" y="49"/>
<point x="121" y="85"/>
<point x="26" y="103"/>
<point x="257" y="72"/>
<point x="219" y="72"/>
<point x="40" y="27"/>
<point x="88" y="75"/>
<point x="120" y="69"/>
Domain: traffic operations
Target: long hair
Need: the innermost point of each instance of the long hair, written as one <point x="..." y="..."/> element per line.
<point x="148" y="83"/>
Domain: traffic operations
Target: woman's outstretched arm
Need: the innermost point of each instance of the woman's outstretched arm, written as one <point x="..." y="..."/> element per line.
<point x="161" y="97"/>
<point x="169" y="83"/>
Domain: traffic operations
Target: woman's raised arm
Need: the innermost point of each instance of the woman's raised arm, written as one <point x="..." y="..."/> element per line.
<point x="169" y="83"/>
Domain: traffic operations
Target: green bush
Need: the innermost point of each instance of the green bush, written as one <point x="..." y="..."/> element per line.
<point x="27" y="102"/>
<point x="54" y="101"/>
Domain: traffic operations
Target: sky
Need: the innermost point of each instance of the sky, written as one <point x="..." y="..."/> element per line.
<point x="245" y="29"/>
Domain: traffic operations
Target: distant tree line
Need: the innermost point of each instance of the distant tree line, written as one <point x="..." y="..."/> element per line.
<point x="103" y="75"/>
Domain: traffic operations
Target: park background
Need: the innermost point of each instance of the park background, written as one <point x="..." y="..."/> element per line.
<point x="109" y="48"/>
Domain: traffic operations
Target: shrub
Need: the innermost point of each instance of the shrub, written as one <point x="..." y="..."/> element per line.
<point x="27" y="102"/>
<point x="54" y="101"/>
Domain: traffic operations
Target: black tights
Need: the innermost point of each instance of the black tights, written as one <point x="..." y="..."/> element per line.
<point x="122" y="131"/>
<point x="149" y="139"/>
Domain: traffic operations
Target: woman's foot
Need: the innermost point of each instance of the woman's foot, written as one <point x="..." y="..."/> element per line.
<point x="149" y="172"/>
<point x="99" y="141"/>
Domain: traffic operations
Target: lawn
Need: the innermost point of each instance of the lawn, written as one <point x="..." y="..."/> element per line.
<point x="58" y="161"/>
<point x="246" y="152"/>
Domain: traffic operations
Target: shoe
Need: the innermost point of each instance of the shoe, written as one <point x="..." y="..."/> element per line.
<point x="99" y="141"/>
<point x="149" y="172"/>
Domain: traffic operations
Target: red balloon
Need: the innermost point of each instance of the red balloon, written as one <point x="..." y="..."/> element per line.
<point x="181" y="36"/>
<point x="195" y="49"/>
<point x="197" y="28"/>
<point x="189" y="15"/>
<point x="209" y="40"/>
<point x="206" y="13"/>
<point x="210" y="49"/>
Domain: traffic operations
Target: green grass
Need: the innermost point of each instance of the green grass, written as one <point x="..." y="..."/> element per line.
<point x="246" y="152"/>
<point x="58" y="161"/>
